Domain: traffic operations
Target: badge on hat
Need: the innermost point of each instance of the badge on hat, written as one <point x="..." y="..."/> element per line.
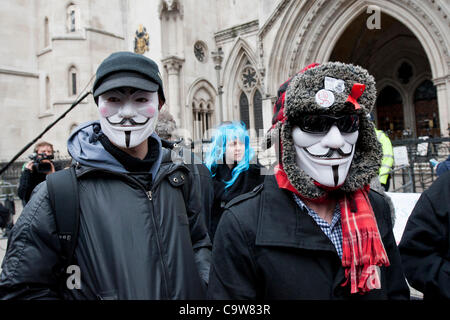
<point x="324" y="98"/>
<point x="336" y="85"/>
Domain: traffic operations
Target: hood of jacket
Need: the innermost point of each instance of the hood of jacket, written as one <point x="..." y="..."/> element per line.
<point x="85" y="148"/>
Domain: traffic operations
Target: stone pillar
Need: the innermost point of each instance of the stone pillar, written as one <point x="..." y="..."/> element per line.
<point x="443" y="99"/>
<point x="172" y="65"/>
<point x="217" y="57"/>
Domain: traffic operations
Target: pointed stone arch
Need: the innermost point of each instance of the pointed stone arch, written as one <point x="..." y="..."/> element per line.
<point x="240" y="55"/>
<point x="309" y="31"/>
<point x="284" y="46"/>
<point x="73" y="16"/>
<point x="423" y="24"/>
<point x="201" y="101"/>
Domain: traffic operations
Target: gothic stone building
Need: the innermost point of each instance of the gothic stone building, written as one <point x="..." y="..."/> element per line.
<point x="220" y="59"/>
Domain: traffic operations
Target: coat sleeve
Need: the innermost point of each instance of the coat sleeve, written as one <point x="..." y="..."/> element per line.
<point x="395" y="278"/>
<point x="25" y="185"/>
<point x="233" y="270"/>
<point x="199" y="233"/>
<point x="33" y="246"/>
<point x="423" y="247"/>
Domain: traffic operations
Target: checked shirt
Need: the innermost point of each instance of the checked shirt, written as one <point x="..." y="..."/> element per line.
<point x="333" y="231"/>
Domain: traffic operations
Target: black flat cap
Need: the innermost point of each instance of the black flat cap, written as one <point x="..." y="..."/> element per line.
<point x="128" y="69"/>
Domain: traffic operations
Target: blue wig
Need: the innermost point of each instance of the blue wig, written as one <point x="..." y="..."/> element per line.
<point x="229" y="132"/>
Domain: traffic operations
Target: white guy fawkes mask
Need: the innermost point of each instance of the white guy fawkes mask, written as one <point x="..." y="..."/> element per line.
<point x="128" y="118"/>
<point x="325" y="157"/>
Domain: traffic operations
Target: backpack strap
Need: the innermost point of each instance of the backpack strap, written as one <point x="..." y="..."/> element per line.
<point x="64" y="198"/>
<point x="180" y="178"/>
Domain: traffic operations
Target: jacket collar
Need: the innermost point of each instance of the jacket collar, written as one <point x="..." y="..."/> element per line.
<point x="282" y="223"/>
<point x="169" y="163"/>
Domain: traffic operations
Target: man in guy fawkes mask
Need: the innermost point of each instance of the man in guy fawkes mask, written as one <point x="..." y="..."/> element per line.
<point x="313" y="230"/>
<point x="141" y="234"/>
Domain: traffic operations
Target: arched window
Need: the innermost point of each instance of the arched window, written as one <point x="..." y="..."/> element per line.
<point x="243" y="109"/>
<point x="425" y="91"/>
<point x="257" y="111"/>
<point x="405" y="72"/>
<point x="46" y="33"/>
<point x="202" y="112"/>
<point x="72" y="81"/>
<point x="426" y="110"/>
<point x="73" y="17"/>
<point x="250" y="98"/>
<point x="47" y="94"/>
<point x="208" y="117"/>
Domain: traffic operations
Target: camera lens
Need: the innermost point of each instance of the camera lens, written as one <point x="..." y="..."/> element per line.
<point x="44" y="167"/>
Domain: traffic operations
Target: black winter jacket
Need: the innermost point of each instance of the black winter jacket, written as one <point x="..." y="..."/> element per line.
<point x="425" y="244"/>
<point x="267" y="248"/>
<point x="245" y="182"/>
<point x="29" y="180"/>
<point x="133" y="243"/>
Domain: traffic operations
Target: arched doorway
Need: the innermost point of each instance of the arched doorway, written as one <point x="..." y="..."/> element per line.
<point x="389" y="107"/>
<point x="426" y="110"/>
<point x="392" y="54"/>
<point x="319" y="31"/>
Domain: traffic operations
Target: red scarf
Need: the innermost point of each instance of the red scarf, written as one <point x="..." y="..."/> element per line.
<point x="362" y="249"/>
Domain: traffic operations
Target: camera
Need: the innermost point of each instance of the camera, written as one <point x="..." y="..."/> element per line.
<point x="39" y="165"/>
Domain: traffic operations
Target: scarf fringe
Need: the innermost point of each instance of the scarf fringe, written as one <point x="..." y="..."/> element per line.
<point x="363" y="249"/>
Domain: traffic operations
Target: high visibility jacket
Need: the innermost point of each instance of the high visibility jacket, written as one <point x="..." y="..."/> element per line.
<point x="388" y="156"/>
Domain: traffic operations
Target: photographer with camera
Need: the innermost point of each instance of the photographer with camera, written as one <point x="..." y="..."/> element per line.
<point x="35" y="171"/>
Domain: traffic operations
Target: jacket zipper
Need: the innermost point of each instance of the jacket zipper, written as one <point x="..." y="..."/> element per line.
<point x="158" y="241"/>
<point x="149" y="195"/>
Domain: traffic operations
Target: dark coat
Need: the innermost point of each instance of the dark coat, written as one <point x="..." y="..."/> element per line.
<point x="196" y="166"/>
<point x="29" y="180"/>
<point x="443" y="166"/>
<point x="245" y="182"/>
<point x="267" y="248"/>
<point x="425" y="244"/>
<point x="132" y="243"/>
<point x="5" y="216"/>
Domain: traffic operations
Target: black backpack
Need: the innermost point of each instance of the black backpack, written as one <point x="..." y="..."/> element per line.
<point x="64" y="198"/>
<point x="62" y="189"/>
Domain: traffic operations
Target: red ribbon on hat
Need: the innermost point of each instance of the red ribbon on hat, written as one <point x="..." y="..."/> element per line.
<point x="357" y="91"/>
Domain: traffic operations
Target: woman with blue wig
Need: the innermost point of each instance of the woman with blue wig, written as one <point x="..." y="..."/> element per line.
<point x="229" y="163"/>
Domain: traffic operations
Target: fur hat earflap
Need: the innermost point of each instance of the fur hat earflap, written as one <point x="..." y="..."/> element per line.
<point x="331" y="88"/>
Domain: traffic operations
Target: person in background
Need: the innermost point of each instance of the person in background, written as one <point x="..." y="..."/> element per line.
<point x="387" y="162"/>
<point x="424" y="246"/>
<point x="313" y="230"/>
<point x="228" y="160"/>
<point x="441" y="167"/>
<point x="141" y="233"/>
<point x="6" y="220"/>
<point x="165" y="128"/>
<point x="35" y="171"/>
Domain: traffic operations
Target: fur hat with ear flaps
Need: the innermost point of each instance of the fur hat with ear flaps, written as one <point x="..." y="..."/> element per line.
<point x="334" y="89"/>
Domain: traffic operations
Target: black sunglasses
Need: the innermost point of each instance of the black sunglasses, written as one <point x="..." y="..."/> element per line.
<point x="322" y="123"/>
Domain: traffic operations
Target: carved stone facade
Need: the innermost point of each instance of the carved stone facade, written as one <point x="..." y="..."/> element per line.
<point x="223" y="60"/>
